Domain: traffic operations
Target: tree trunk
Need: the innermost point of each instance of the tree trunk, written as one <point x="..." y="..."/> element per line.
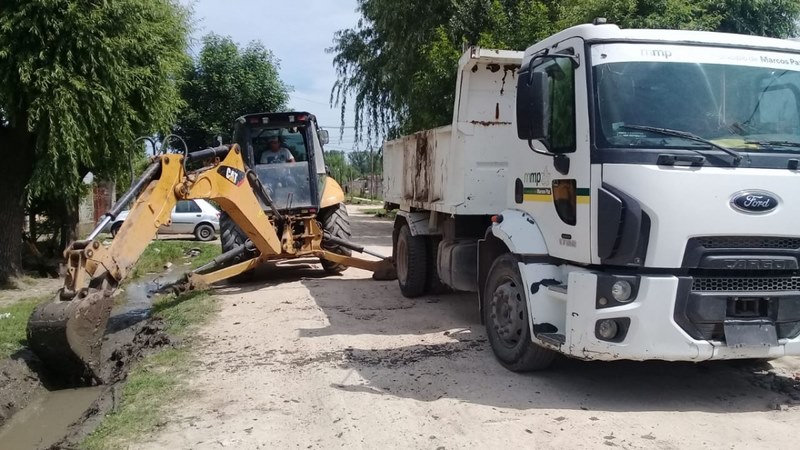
<point x="71" y="218"/>
<point x="33" y="227"/>
<point x="17" y="147"/>
<point x="11" y="222"/>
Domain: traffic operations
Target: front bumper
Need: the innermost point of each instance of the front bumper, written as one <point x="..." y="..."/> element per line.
<point x="668" y="320"/>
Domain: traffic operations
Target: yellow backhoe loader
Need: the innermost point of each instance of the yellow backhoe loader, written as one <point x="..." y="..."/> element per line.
<point x="278" y="204"/>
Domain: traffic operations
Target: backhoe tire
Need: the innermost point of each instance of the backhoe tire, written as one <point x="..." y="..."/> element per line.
<point x="505" y="313"/>
<point x="335" y="221"/>
<point x="411" y="259"/>
<point x="231" y="236"/>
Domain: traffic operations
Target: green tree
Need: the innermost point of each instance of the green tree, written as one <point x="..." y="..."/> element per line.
<point x="340" y="170"/>
<point x="78" y="81"/>
<point x="223" y="83"/>
<point x="398" y="64"/>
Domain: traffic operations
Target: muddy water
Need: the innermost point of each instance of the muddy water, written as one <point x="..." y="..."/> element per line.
<point x="137" y="303"/>
<point x="46" y="419"/>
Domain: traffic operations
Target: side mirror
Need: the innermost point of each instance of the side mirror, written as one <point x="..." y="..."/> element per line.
<point x="533" y="105"/>
<point x="324" y="138"/>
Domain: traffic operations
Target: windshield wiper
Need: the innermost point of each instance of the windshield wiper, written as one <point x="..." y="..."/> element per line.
<point x="775" y="143"/>
<point x="737" y="157"/>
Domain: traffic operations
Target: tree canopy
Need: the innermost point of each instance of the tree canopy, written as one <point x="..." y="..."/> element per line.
<point x="78" y="82"/>
<point x="398" y="64"/>
<point x="223" y="83"/>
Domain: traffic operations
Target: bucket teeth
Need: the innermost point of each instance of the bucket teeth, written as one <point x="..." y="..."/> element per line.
<point x="67" y="335"/>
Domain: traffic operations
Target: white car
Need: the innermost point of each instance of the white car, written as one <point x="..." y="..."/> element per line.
<point x="197" y="217"/>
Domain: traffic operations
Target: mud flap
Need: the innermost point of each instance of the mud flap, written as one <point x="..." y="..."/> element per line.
<point x="68" y="335"/>
<point x="749" y="333"/>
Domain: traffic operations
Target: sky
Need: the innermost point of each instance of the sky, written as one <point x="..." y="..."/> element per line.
<point x="297" y="33"/>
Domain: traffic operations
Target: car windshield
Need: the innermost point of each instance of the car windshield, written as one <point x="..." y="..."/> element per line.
<point x="740" y="99"/>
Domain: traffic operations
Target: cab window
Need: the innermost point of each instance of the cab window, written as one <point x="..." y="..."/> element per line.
<point x="561" y="91"/>
<point x="289" y="138"/>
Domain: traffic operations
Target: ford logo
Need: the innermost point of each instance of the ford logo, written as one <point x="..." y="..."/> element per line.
<point x="754" y="202"/>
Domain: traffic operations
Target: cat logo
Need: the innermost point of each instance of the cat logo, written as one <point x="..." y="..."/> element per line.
<point x="231" y="174"/>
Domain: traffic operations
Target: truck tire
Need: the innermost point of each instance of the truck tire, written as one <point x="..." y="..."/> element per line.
<point x="231" y="236"/>
<point x="335" y="221"/>
<point x="506" y="316"/>
<point x="411" y="258"/>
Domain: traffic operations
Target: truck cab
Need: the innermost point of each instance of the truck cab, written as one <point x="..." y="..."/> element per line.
<point x="649" y="208"/>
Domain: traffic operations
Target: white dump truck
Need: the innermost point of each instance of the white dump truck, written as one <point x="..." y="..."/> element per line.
<point x="613" y="194"/>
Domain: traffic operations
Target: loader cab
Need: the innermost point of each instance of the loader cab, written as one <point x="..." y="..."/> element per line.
<point x="294" y="172"/>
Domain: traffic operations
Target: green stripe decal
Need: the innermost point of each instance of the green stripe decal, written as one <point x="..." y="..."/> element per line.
<point x="537" y="191"/>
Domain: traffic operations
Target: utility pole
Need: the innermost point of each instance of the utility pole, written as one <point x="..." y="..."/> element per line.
<point x="371" y="179"/>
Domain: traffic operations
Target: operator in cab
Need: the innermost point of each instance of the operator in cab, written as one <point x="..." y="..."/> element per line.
<point x="276" y="153"/>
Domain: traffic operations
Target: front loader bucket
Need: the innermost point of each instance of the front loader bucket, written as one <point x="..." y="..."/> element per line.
<point x="67" y="335"/>
<point x="385" y="270"/>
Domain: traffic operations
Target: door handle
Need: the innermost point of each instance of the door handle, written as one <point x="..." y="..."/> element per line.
<point x="199" y="215"/>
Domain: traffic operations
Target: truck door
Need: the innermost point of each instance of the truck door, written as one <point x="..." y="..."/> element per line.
<point x="553" y="177"/>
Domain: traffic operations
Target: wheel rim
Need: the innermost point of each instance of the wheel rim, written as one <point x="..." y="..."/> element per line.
<point x="508" y="313"/>
<point x="402" y="260"/>
<point x="205" y="233"/>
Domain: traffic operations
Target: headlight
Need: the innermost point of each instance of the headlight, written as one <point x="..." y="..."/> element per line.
<point x="607" y="329"/>
<point x="621" y="291"/>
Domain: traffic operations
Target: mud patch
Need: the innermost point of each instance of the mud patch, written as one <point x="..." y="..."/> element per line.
<point x="19" y="384"/>
<point x="394" y="358"/>
<point x="765" y="376"/>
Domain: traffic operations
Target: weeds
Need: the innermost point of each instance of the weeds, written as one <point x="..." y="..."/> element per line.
<point x="158" y="380"/>
<point x="159" y="253"/>
<point x="13" y="322"/>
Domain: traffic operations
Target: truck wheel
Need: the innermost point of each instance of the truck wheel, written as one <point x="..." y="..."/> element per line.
<point x="505" y="314"/>
<point x="231" y="236"/>
<point x="411" y="258"/>
<point x="204" y="232"/>
<point x="335" y="221"/>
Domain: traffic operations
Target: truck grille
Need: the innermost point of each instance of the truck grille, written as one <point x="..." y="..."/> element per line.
<point x="760" y="284"/>
<point x="750" y="242"/>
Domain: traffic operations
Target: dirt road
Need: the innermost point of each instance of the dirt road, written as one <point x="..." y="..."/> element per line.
<point x="348" y="362"/>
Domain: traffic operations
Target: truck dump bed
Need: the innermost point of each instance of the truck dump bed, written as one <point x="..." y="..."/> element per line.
<point x="461" y="168"/>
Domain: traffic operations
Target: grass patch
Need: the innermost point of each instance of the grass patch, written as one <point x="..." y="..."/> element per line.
<point x="13" y="322"/>
<point x="152" y="384"/>
<point x="381" y="213"/>
<point x="363" y="201"/>
<point x="159" y="253"/>
<point x="157" y="381"/>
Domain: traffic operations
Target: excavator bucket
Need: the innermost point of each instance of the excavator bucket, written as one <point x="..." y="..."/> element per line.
<point x="67" y="335"/>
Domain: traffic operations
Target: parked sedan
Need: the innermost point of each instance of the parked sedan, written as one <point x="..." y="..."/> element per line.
<point x="197" y="217"/>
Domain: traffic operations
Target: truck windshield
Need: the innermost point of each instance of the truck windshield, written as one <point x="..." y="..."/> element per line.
<point x="740" y="99"/>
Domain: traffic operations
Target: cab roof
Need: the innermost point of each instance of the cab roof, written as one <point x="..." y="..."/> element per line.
<point x="279" y="117"/>
<point x="612" y="33"/>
